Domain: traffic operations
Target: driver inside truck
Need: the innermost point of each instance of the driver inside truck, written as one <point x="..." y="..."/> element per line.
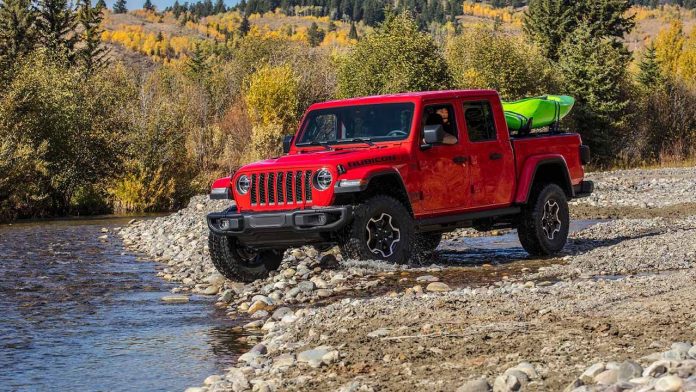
<point x="440" y="115"/>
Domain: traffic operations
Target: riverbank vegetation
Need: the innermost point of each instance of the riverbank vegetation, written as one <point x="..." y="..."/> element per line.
<point x="137" y="111"/>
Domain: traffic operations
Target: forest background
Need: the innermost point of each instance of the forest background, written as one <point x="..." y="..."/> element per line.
<point x="110" y="110"/>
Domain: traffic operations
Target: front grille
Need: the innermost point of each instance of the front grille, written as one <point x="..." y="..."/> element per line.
<point x="285" y="187"/>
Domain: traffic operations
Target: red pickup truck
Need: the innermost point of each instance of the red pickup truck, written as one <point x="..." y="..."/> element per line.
<point x="384" y="177"/>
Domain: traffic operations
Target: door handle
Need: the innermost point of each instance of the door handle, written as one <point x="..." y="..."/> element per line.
<point x="460" y="159"/>
<point x="495" y="156"/>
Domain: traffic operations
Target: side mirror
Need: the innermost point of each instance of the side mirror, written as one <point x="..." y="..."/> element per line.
<point x="287" y="142"/>
<point x="433" y="134"/>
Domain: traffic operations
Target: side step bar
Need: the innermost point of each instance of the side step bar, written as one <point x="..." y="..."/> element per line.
<point x="462" y="220"/>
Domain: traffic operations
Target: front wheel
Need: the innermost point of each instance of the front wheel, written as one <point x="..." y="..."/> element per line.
<point x="543" y="230"/>
<point x="382" y="229"/>
<point x="240" y="263"/>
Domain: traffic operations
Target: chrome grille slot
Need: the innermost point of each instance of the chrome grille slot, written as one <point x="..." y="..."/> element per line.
<point x="253" y="189"/>
<point x="271" y="188"/>
<point x="288" y="187"/>
<point x="298" y="186"/>
<point x="308" y="185"/>
<point x="262" y="188"/>
<point x="279" y="187"/>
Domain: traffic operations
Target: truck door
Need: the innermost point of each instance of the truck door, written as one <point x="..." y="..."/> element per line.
<point x="444" y="171"/>
<point x="492" y="168"/>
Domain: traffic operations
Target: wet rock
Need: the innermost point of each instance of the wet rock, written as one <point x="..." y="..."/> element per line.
<point x="258" y="305"/>
<point x="175" y="299"/>
<point x="437" y="287"/>
<point x="254" y="324"/>
<point x="210" y="290"/>
<point x="226" y="296"/>
<point x="478" y="385"/>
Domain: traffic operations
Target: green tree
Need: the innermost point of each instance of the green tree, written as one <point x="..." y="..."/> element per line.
<point x="101" y="5"/>
<point x="396" y="57"/>
<point x="594" y="73"/>
<point x="55" y="26"/>
<point x="219" y="7"/>
<point x="91" y="54"/>
<point x="315" y="35"/>
<point x="148" y="6"/>
<point x="17" y="31"/>
<point x="244" y="26"/>
<point x="481" y="58"/>
<point x="353" y="33"/>
<point x="549" y="22"/>
<point x="197" y="65"/>
<point x="650" y="73"/>
<point x="120" y="7"/>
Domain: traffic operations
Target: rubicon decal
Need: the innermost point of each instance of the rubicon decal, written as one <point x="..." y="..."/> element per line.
<point x="372" y="161"/>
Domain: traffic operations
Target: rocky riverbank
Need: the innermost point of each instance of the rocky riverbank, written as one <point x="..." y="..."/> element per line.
<point x="616" y="312"/>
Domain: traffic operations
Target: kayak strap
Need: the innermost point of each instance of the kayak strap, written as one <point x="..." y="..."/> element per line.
<point x="526" y="122"/>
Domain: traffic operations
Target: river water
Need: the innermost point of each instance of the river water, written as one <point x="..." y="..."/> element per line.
<point x="81" y="314"/>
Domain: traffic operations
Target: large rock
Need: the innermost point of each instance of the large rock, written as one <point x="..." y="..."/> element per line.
<point x="478" y="385"/>
<point x="318" y="356"/>
<point x="437" y="287"/>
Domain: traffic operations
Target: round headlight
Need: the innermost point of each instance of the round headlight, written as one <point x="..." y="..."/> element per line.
<point x="243" y="184"/>
<point x="322" y="179"/>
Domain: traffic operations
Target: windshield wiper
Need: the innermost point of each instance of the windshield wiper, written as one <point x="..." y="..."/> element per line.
<point x="315" y="143"/>
<point x="365" y="140"/>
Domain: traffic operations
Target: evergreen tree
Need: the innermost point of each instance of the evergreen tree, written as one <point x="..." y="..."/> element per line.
<point x="120" y="7"/>
<point x="55" y="27"/>
<point x="549" y="22"/>
<point x="219" y="7"/>
<point x="148" y="6"/>
<point x="101" y="5"/>
<point x="594" y="72"/>
<point x="353" y="33"/>
<point x="197" y="66"/>
<point x="244" y="26"/>
<point x="91" y="54"/>
<point x="332" y="26"/>
<point x="17" y="31"/>
<point x="650" y="75"/>
<point x="315" y="35"/>
<point x="176" y="9"/>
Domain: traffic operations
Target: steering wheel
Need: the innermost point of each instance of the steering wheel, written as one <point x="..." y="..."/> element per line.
<point x="397" y="132"/>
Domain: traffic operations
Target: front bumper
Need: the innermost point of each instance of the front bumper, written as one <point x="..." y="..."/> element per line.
<point x="281" y="228"/>
<point x="583" y="189"/>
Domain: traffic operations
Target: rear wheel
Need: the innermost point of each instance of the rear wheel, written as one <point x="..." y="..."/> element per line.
<point x="543" y="230"/>
<point x="382" y="229"/>
<point x="240" y="263"/>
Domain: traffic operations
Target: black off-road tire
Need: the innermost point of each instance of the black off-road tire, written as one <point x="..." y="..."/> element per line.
<point x="238" y="263"/>
<point x="354" y="239"/>
<point x="535" y="226"/>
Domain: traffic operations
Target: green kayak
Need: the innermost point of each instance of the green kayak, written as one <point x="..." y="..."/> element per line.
<point x="538" y="112"/>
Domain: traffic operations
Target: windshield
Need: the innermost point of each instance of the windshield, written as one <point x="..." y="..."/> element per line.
<point x="381" y="122"/>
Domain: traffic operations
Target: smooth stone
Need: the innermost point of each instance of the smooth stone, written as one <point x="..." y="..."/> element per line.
<point x="506" y="384"/>
<point x="292" y="293"/>
<point x="607" y="377"/>
<point x="279" y="313"/>
<point x="260" y="314"/>
<point x="629" y="370"/>
<point x="226" y="296"/>
<point x="306" y="286"/>
<point x="288" y="273"/>
<point x="438" y="287"/>
<point x="692" y="352"/>
<point x="284" y="360"/>
<point x="656" y="369"/>
<point x="210" y="380"/>
<point x="591" y="372"/>
<point x="528" y="369"/>
<point x="323" y="293"/>
<point x="289" y="319"/>
<point x="262" y="298"/>
<point x="478" y="385"/>
<point x="314" y="357"/>
<point x="427" y="278"/>
<point x="175" y="299"/>
<point x="258" y="305"/>
<point x="211" y="290"/>
<point x="253" y="324"/>
<point x="668" y="384"/>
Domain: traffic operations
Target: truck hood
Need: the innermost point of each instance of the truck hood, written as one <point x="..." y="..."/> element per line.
<point x="350" y="157"/>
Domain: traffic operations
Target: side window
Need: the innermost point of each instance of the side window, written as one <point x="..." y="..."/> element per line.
<point x="442" y="114"/>
<point x="479" y="121"/>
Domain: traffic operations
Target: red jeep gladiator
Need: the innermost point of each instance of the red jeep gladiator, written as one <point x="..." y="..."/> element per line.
<point x="384" y="177"/>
